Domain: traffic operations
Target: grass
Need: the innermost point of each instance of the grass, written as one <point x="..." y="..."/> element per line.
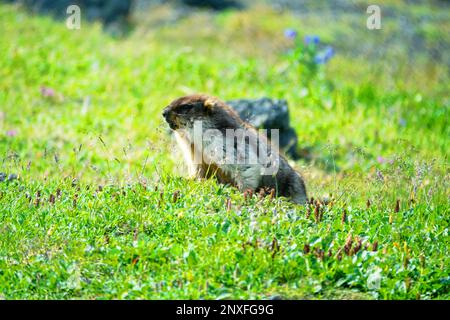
<point x="101" y="208"/>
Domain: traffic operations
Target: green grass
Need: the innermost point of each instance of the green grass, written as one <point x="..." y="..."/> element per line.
<point x="150" y="233"/>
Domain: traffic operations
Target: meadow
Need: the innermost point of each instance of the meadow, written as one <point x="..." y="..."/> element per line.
<point x="95" y="203"/>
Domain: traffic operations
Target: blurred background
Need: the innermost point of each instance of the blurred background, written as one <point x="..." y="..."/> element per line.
<point x="414" y="32"/>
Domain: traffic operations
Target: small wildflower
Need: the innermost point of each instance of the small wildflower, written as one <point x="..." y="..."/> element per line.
<point x="381" y="160"/>
<point x="312" y="39"/>
<point x="328" y="53"/>
<point x="324" y="56"/>
<point x="380" y="176"/>
<point x="11" y="133"/>
<point x="47" y="92"/>
<point x="290" y="34"/>
<point x="319" y="59"/>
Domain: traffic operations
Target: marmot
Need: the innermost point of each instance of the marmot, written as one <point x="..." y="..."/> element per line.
<point x="216" y="142"/>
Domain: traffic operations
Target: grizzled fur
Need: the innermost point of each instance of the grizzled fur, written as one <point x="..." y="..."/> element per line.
<point x="215" y="114"/>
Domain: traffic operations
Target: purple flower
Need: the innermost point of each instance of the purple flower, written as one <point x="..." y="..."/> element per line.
<point x="47" y="92"/>
<point x="290" y="34"/>
<point x="380" y="159"/>
<point x="329" y="53"/>
<point x="324" y="56"/>
<point x="380" y="175"/>
<point x="319" y="59"/>
<point x="11" y="133"/>
<point x="312" y="40"/>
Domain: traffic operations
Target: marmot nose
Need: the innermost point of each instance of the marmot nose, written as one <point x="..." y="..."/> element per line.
<point x="166" y="113"/>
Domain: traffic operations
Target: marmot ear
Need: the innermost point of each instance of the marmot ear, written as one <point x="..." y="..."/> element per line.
<point x="209" y="103"/>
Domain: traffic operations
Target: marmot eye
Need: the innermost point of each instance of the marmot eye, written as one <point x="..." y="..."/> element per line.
<point x="183" y="109"/>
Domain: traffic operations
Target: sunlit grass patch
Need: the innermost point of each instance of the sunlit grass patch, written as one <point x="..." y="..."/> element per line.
<point x="94" y="202"/>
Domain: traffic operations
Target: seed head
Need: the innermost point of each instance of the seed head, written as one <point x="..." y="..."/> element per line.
<point x="397" y="206"/>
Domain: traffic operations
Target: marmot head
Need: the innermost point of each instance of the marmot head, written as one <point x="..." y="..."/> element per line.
<point x="214" y="114"/>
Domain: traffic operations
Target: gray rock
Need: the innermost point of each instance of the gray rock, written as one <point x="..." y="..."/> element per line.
<point x="266" y="113"/>
<point x="213" y="4"/>
<point x="2" y="176"/>
<point x="107" y="11"/>
<point x="263" y="113"/>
